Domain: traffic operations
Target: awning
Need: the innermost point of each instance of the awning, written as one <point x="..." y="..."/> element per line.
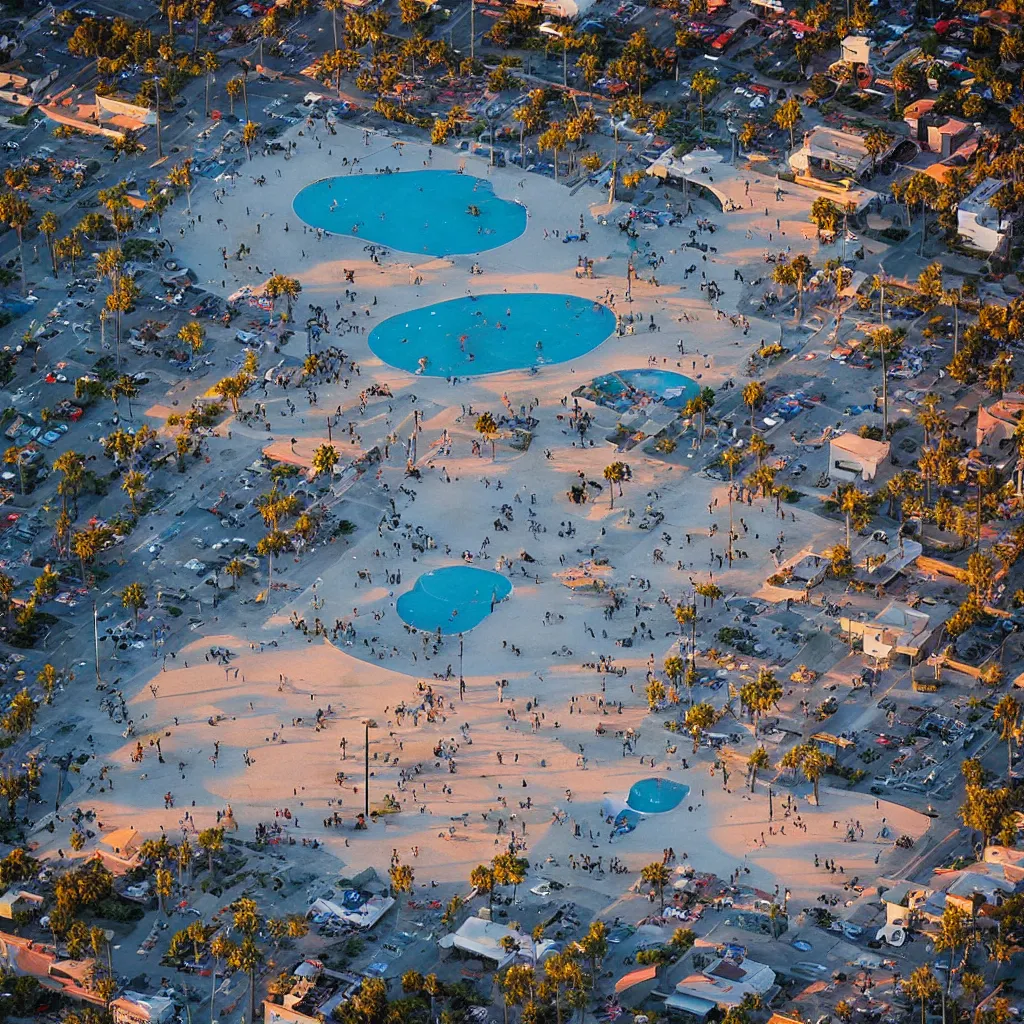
<point x="689" y="1004"/>
<point x="636" y="977"/>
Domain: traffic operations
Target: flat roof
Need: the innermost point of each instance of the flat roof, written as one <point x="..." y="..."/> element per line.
<point x="863" y="447"/>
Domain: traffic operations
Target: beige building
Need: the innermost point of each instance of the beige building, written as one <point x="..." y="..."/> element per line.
<point x="899" y="629"/>
<point x="856" y="459"/>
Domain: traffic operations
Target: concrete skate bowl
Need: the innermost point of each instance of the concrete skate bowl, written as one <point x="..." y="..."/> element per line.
<point x="623" y="390"/>
<point x="454" y="599"/>
<point x="433" y="213"/>
<point x="483" y="334"/>
<point x="655" y="796"/>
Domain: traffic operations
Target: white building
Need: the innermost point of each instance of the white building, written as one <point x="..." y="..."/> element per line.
<point x="853" y="458"/>
<point x="978" y="223"/>
<point x="480" y="938"/>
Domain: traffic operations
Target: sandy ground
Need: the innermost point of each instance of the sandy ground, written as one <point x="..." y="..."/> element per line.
<point x="264" y="704"/>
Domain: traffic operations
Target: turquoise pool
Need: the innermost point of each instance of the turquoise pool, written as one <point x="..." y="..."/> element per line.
<point x="490" y="333"/>
<point x="652" y="796"/>
<point x="454" y="599"/>
<point x="434" y="213"/>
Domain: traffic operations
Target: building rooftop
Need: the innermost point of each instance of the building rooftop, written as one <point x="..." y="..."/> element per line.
<point x="981" y="197"/>
<point x="861" y="447"/>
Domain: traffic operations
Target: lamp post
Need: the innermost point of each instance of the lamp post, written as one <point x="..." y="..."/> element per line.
<point x="159" y="137"/>
<point x="368" y="724"/>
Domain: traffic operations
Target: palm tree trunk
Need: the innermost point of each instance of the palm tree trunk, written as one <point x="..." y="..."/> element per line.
<point x="21" y="258"/>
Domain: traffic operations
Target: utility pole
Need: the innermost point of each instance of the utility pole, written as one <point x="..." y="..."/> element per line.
<point x="96" y="642"/>
<point x="881" y="349"/>
<point x="368" y="723"/>
<point x="472" y="29"/>
<point x="159" y="140"/>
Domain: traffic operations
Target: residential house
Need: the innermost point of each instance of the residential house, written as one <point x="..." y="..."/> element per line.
<point x="998" y="421"/>
<point x="901" y="901"/>
<point x="23" y="87"/>
<point x="18" y="901"/>
<point x="722" y="985"/>
<point x="936" y="133"/>
<point x="315" y="994"/>
<point x="31" y="958"/>
<point x="979" y="225"/>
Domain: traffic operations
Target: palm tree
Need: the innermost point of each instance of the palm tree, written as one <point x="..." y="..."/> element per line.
<point x="402" y="878"/>
<point x="325" y="458"/>
<point x="955" y="932"/>
<point x="1006" y="714"/>
<point x="657" y="875"/>
<point x="274" y="543"/>
<point x="704" y="83"/>
<point x="487" y="428"/>
<point x="233" y="89"/>
<point x="134" y="485"/>
<point x="236" y="569"/>
<point x="731" y="459"/>
<point x="280" y="286"/>
<point x="250" y="133"/>
<point x="757" y="761"/>
<point x="698" y="718"/>
<point x="180" y="175"/>
<point x="164" y="884"/>
<point x="12" y="457"/>
<point x="192" y="335"/>
<point x="212" y="841"/>
<point x="49" y="225"/>
<point x="85" y="546"/>
<point x="810" y="760"/>
<point x="876" y="142"/>
<point x="125" y="387"/>
<point x="787" y="116"/>
<point x="482" y="879"/>
<point x="760" y="694"/>
<point x="133" y="596"/>
<point x="248" y="957"/>
<point x="510" y="870"/>
<point x="754" y="396"/>
<point x="210" y="64"/>
<point x="615" y="473"/>
<point x="16" y="213"/>
<point x="854" y="504"/>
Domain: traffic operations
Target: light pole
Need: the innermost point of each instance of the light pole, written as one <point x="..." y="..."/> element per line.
<point x="159" y="139"/>
<point x="368" y="724"/>
<point x="462" y="678"/>
<point x="96" y="643"/>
